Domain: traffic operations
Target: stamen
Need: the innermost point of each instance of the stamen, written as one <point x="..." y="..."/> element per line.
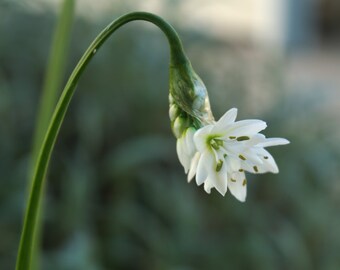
<point x="216" y="156"/>
<point x="242" y="138"/>
<point x="265" y="157"/>
<point x="244" y="182"/>
<point x="232" y="137"/>
<point x="242" y="157"/>
<point x="219" y="165"/>
<point x="256" y="169"/>
<point x="232" y="180"/>
<point x="241" y="170"/>
<point x="219" y="142"/>
<point x="214" y="145"/>
<point x="225" y="155"/>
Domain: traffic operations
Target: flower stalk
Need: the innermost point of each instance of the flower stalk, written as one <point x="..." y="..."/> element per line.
<point x="179" y="67"/>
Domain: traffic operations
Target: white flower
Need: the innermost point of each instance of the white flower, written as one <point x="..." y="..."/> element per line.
<point x="225" y="150"/>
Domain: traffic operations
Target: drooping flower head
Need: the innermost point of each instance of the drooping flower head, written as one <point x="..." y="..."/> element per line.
<point x="218" y="153"/>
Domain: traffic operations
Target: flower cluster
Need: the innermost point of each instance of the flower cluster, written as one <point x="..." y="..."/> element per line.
<point x="220" y="153"/>
<point x="217" y="153"/>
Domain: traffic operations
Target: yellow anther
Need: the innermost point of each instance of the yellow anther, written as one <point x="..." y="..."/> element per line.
<point x="242" y="157"/>
<point x="219" y="165"/>
<point x="242" y="138"/>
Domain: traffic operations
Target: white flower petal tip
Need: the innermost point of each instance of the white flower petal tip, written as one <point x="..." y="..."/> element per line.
<point x="208" y="186"/>
<point x="221" y="189"/>
<point x="242" y="200"/>
<point x="232" y="111"/>
<point x="273" y="142"/>
<point x="227" y="119"/>
<point x="223" y="193"/>
<point x="193" y="166"/>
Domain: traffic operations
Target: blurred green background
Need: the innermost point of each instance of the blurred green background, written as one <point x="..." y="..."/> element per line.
<point x="117" y="196"/>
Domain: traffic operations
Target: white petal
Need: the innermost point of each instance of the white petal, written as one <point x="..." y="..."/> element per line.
<point x="233" y="164"/>
<point x="238" y="186"/>
<point x="255" y="140"/>
<point x="219" y="179"/>
<point x="182" y="155"/>
<point x="189" y="140"/>
<point x="273" y="141"/>
<point x="179" y="150"/>
<point x="223" y="178"/>
<point x="247" y="166"/>
<point x="252" y="156"/>
<point x="269" y="163"/>
<point x="208" y="185"/>
<point x="200" y="137"/>
<point x="193" y="166"/>
<point x="246" y="128"/>
<point x="259" y="161"/>
<point x="204" y="164"/>
<point x="234" y="148"/>
<point x="227" y="119"/>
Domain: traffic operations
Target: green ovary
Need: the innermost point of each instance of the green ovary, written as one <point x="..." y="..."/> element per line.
<point x="214" y="142"/>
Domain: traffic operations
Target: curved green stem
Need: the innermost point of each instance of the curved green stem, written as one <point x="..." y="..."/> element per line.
<point x="177" y="58"/>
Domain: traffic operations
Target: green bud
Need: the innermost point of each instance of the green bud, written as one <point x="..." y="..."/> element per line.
<point x="189" y="92"/>
<point x="173" y="112"/>
<point x="171" y="99"/>
<point x="180" y="125"/>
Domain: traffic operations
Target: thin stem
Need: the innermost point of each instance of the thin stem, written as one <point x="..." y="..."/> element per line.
<point x="29" y="228"/>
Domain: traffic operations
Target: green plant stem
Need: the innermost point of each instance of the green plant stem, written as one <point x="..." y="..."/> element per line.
<point x="29" y="228"/>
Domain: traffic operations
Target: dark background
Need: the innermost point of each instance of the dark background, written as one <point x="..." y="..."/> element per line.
<point x="117" y="197"/>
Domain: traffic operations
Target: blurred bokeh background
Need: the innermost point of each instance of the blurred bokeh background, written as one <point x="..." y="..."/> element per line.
<point x="117" y="197"/>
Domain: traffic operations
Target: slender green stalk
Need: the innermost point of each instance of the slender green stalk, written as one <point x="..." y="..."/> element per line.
<point x="49" y="97"/>
<point x="29" y="229"/>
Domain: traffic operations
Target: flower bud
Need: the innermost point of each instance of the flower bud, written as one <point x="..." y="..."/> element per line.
<point x="189" y="101"/>
<point x="189" y="93"/>
<point x="173" y="112"/>
<point x="180" y="125"/>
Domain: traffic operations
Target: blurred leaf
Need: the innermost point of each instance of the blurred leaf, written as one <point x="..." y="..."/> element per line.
<point x="53" y="81"/>
<point x="54" y="74"/>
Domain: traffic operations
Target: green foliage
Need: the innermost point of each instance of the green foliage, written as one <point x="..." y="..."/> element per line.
<point x="117" y="197"/>
<point x="54" y="73"/>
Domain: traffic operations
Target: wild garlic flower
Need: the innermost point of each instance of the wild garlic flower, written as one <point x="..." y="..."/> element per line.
<point x="218" y="153"/>
<point x="226" y="149"/>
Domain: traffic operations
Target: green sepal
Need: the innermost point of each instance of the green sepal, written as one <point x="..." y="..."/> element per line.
<point x="189" y="100"/>
<point x="189" y="92"/>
